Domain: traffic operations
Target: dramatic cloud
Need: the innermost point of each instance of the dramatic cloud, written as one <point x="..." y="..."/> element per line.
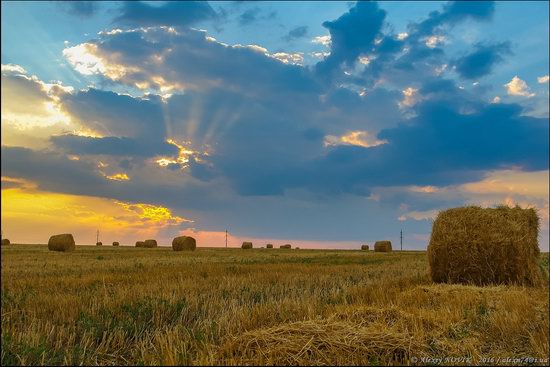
<point x="230" y="135"/>
<point x="543" y="79"/>
<point x="480" y="62"/>
<point x="171" y="13"/>
<point x="165" y="60"/>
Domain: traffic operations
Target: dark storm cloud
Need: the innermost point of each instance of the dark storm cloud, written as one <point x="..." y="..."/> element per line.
<point x="114" y="114"/>
<point x="352" y="34"/>
<point x="254" y="15"/>
<point x="171" y="13"/>
<point x="196" y="62"/>
<point x="83" y="9"/>
<point x="264" y="122"/>
<point x="115" y="146"/>
<point x="452" y="13"/>
<point x="296" y="33"/>
<point x="481" y="61"/>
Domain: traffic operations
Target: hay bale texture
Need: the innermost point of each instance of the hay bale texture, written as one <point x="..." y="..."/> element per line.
<point x="184" y="243"/>
<point x="99" y="243"/>
<point x="246" y="245"/>
<point x="269" y="245"/>
<point x="61" y="242"/>
<point x="116" y="243"/>
<point x="287" y="246"/>
<point x="365" y="247"/>
<point x="5" y="242"/>
<point x="382" y="246"/>
<point x="140" y="244"/>
<point x="473" y="245"/>
<point x="150" y="243"/>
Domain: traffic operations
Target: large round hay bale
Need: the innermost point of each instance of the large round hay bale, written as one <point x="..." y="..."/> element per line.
<point x="269" y="245"/>
<point x="5" y="242"/>
<point x="99" y="243"/>
<point x="286" y="246"/>
<point x="472" y="245"/>
<point x="150" y="243"/>
<point x="184" y="243"/>
<point x="382" y="246"/>
<point x="365" y="247"/>
<point x="140" y="244"/>
<point x="116" y="243"/>
<point x="61" y="242"/>
<point x="246" y="245"/>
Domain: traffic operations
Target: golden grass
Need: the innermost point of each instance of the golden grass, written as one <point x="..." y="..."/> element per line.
<point x="127" y="305"/>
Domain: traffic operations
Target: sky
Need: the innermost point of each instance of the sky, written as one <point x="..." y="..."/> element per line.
<point x="320" y="124"/>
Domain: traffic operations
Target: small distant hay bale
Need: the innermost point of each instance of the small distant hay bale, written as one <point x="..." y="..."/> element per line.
<point x="473" y="245"/>
<point x="150" y="243"/>
<point x="269" y="245"/>
<point x="286" y="247"/>
<point x="116" y="243"/>
<point x="382" y="246"/>
<point x="99" y="243"/>
<point x="61" y="242"/>
<point x="5" y="242"/>
<point x="246" y="245"/>
<point x="365" y="247"/>
<point x="184" y="243"/>
<point x="140" y="244"/>
<point x="297" y="248"/>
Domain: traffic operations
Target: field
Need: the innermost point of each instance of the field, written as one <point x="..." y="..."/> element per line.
<point x="230" y="306"/>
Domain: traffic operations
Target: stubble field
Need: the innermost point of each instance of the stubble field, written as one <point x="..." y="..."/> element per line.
<point x="124" y="305"/>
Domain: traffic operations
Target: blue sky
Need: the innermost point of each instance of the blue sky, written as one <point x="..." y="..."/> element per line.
<point x="329" y="123"/>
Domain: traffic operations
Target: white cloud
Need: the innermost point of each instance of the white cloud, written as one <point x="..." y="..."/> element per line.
<point x="12" y="68"/>
<point x="518" y="87"/>
<point x="543" y="79"/>
<point x="496" y="99"/>
<point x="401" y="36"/>
<point x="296" y="58"/>
<point x="434" y="41"/>
<point x="322" y="40"/>
<point x="410" y="97"/>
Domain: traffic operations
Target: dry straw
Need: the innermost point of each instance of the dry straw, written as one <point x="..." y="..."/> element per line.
<point x="382" y="246"/>
<point x="5" y="242"/>
<point x="140" y="244"/>
<point x="150" y="243"/>
<point x="287" y="246"/>
<point x="321" y="342"/>
<point x="365" y="247"/>
<point x="184" y="243"/>
<point x="246" y="245"/>
<point x="269" y="245"/>
<point x="61" y="242"/>
<point x="116" y="243"/>
<point x="99" y="243"/>
<point x="472" y="245"/>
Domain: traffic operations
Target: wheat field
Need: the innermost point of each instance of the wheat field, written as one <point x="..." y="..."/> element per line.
<point x="135" y="306"/>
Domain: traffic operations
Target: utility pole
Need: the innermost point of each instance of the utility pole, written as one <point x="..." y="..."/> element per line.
<point x="226" y="238"/>
<point x="97" y="237"/>
<point x="401" y="235"/>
